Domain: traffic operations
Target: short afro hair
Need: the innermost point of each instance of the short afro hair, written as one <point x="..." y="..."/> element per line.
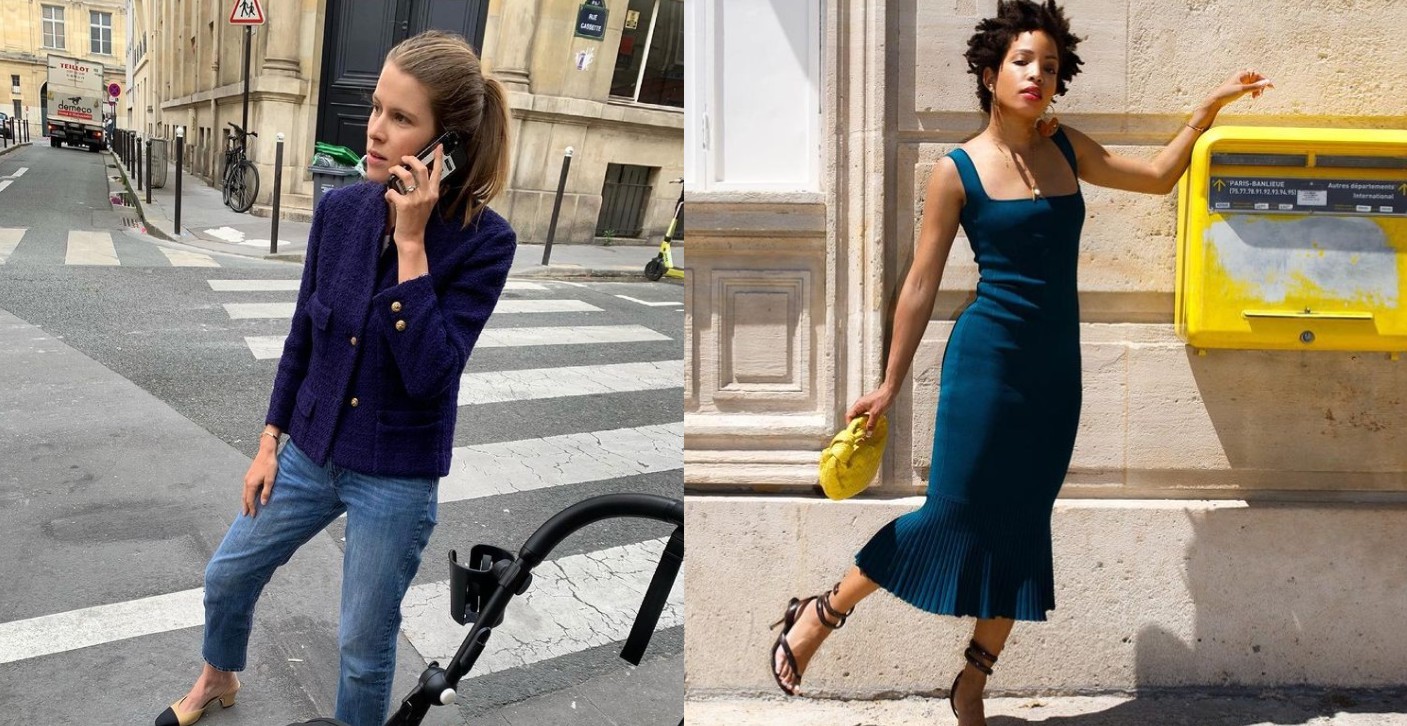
<point x="987" y="47"/>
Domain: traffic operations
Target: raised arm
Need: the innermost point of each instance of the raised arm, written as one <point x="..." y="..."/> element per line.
<point x="1160" y="174"/>
<point x="942" y="208"/>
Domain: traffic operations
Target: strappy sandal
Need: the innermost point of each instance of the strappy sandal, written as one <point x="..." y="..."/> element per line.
<point x="978" y="658"/>
<point x="793" y="613"/>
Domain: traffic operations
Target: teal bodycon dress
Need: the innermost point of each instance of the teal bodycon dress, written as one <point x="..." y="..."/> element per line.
<point x="1008" y="407"/>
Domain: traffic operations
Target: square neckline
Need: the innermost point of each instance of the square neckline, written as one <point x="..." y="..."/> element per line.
<point x="1065" y="151"/>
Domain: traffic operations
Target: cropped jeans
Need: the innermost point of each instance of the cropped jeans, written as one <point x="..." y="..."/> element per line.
<point x="389" y="521"/>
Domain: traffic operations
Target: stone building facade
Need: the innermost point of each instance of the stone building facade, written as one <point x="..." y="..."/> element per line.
<point x="314" y="63"/>
<point x="1234" y="519"/>
<point x="30" y="30"/>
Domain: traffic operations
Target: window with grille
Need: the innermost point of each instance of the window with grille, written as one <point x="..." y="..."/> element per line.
<point x="650" y="60"/>
<point x="53" y="21"/>
<point x="101" y="24"/>
<point x="624" y="197"/>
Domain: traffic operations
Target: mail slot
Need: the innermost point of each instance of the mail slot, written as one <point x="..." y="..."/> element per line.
<point x="1294" y="239"/>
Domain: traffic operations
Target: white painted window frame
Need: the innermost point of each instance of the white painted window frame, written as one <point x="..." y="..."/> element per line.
<point x="95" y="32"/>
<point x="53" y="28"/>
<point x="649" y="42"/>
<point x="701" y="134"/>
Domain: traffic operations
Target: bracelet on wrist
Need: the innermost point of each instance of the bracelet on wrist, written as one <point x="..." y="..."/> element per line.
<point x="1198" y="129"/>
<point x="271" y="435"/>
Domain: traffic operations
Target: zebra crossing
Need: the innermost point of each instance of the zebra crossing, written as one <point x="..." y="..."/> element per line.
<point x="524" y="322"/>
<point x="98" y="248"/>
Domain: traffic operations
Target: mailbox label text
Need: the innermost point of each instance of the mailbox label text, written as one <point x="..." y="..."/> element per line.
<point x="1306" y="196"/>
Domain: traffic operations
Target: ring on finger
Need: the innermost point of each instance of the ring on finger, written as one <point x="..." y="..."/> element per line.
<point x="410" y="189"/>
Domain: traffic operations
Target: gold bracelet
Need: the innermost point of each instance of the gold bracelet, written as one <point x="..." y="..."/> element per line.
<point x="271" y="435"/>
<point x="1198" y="129"/>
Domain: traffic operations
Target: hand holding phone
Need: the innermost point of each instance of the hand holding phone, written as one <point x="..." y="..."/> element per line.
<point x="454" y="157"/>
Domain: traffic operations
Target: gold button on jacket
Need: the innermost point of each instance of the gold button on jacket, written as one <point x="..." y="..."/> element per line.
<point x="400" y="325"/>
<point x="396" y="306"/>
<point x="355" y="402"/>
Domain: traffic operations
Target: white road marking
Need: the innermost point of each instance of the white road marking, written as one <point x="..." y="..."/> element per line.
<point x="509" y="467"/>
<point x="228" y="234"/>
<point x="254" y="285"/>
<point x="574" y="603"/>
<point x="545" y="306"/>
<point x="524" y="285"/>
<point x="9" y="239"/>
<point x="539" y="383"/>
<point x="4" y="184"/>
<point x="75" y="629"/>
<point x="90" y="248"/>
<point x="271" y="346"/>
<point x="265" y="311"/>
<point x="651" y="304"/>
<point x="19" y="172"/>
<point x="186" y="258"/>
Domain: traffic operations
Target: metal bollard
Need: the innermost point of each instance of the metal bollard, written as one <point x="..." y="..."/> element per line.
<point x="557" y="205"/>
<point x="139" y="163"/>
<point x="278" y="187"/>
<point x="148" y="167"/>
<point x="180" y="155"/>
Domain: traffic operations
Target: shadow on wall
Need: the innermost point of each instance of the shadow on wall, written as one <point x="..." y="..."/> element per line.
<point x="1324" y="639"/>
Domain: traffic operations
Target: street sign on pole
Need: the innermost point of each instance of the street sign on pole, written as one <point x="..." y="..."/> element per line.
<point x="247" y="12"/>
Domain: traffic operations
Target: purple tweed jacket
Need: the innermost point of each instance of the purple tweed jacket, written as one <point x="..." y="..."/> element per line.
<point x="370" y="369"/>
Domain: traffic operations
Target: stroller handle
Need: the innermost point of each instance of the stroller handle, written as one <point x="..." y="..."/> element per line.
<point x="595" y="509"/>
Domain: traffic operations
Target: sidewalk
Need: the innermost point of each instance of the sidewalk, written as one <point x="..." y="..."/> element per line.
<point x="207" y="223"/>
<point x="1278" y="708"/>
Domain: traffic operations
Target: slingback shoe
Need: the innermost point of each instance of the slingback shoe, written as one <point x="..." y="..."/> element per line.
<point x="174" y="716"/>
<point x="979" y="659"/>
<point x="793" y="613"/>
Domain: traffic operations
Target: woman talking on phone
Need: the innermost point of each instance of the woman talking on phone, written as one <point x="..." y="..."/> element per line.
<point x="402" y="272"/>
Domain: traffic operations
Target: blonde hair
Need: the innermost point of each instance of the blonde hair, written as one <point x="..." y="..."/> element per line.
<point x="462" y="99"/>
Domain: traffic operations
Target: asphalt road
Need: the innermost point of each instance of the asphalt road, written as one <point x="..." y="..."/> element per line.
<point x="134" y="390"/>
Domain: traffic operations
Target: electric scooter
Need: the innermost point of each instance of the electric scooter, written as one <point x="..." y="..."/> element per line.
<point x="481" y="587"/>
<point x="663" y="264"/>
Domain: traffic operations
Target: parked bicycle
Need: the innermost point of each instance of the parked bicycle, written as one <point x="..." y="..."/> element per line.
<point x="241" y="178"/>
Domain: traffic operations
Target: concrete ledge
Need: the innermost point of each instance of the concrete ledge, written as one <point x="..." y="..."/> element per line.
<point x="1150" y="595"/>
<point x="14" y="147"/>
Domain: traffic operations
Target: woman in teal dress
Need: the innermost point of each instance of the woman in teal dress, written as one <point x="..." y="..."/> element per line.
<point x="1009" y="399"/>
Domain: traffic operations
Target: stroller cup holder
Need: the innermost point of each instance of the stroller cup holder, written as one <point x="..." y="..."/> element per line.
<point x="472" y="583"/>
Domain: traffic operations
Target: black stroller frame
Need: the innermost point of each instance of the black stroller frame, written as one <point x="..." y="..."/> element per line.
<point x="481" y="588"/>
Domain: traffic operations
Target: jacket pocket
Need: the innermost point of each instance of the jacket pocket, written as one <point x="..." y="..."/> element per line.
<point x="319" y="312"/>
<point x="306" y="401"/>
<point x="407" y="442"/>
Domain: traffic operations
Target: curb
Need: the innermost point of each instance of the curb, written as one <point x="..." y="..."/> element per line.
<point x="137" y="204"/>
<point x="573" y="272"/>
<point x="15" y="147"/>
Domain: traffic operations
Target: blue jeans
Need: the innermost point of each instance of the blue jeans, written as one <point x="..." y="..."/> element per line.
<point x="389" y="521"/>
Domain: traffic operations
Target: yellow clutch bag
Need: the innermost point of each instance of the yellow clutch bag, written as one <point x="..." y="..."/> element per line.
<point x="849" y="464"/>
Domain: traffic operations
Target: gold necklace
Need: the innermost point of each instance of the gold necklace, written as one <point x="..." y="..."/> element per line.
<point x="1021" y="170"/>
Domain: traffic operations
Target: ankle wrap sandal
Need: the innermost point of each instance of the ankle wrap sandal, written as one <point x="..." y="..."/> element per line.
<point x="793" y="614"/>
<point x="978" y="658"/>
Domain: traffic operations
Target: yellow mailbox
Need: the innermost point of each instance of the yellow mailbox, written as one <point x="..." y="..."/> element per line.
<point x="1294" y="239"/>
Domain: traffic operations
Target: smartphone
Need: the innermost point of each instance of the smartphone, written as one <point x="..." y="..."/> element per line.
<point x="454" y="160"/>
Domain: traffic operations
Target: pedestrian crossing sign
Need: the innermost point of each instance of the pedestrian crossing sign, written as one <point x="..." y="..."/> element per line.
<point x="247" y="12"/>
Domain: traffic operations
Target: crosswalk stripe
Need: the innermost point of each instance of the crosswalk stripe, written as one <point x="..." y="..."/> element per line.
<point x="249" y="311"/>
<point x="9" y="239"/>
<point x="574" y="603"/>
<point x="20" y="172"/>
<point x="5" y="184"/>
<point x="545" y="306"/>
<point x="582" y="335"/>
<point x="90" y="248"/>
<point x="75" y="629"/>
<point x="509" y="467"/>
<point x="185" y="258"/>
<point x="254" y="285"/>
<point x="539" y="383"/>
<point x="292" y="285"/>
<point x="271" y="346"/>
